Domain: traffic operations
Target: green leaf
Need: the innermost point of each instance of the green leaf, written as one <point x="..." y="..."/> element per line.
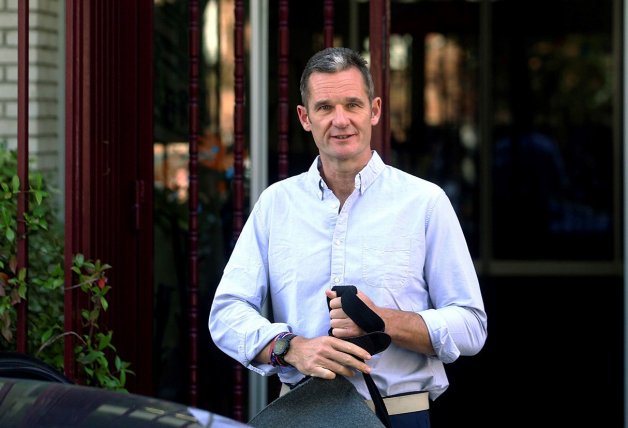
<point x="104" y="303"/>
<point x="37" y="180"/>
<point x="91" y="357"/>
<point x="47" y="335"/>
<point x="104" y="341"/>
<point x="22" y="290"/>
<point x="39" y="196"/>
<point x="15" y="184"/>
<point x="118" y="363"/>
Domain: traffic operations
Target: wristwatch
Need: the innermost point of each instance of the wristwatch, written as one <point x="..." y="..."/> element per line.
<point x="280" y="349"/>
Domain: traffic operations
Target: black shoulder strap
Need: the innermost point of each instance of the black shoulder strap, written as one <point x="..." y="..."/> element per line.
<point x="374" y="341"/>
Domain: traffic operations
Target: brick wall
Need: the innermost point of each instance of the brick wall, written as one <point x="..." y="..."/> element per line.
<point x="46" y="78"/>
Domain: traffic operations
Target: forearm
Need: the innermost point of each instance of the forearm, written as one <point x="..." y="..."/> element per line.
<point x="407" y="330"/>
<point x="264" y="356"/>
<point x="323" y="356"/>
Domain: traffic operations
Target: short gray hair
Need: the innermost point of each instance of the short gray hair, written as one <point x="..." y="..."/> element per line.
<point x="334" y="60"/>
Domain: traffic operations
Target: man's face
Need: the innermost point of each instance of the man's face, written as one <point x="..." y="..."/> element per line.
<point x="340" y="116"/>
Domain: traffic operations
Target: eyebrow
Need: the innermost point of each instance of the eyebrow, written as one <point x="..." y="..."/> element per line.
<point x="348" y="100"/>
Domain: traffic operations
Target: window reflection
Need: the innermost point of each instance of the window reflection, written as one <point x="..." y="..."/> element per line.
<point x="214" y="171"/>
<point x="553" y="139"/>
<point x="433" y="108"/>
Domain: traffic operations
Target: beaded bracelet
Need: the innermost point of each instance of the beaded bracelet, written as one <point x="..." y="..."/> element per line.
<point x="277" y="361"/>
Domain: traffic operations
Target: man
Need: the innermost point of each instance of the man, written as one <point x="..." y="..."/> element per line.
<point x="350" y="219"/>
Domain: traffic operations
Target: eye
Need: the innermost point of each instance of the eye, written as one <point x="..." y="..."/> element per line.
<point x="325" y="107"/>
<point x="354" y="105"/>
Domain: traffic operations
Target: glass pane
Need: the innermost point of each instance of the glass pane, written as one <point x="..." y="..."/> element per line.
<point x="171" y="154"/>
<point x="553" y="135"/>
<point x="171" y="190"/>
<point x="434" y="100"/>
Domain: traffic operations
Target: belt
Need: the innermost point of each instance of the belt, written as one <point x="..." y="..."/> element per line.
<point x="407" y="403"/>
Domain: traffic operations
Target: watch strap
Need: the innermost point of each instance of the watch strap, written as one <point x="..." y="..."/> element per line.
<point x="277" y="360"/>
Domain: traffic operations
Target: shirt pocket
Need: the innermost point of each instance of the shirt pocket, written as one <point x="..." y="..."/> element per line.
<point x="386" y="263"/>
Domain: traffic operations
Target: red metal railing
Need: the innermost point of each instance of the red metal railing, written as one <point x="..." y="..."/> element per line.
<point x="193" y="201"/>
<point x="238" y="179"/>
<point x="22" y="166"/>
<point x="284" y="107"/>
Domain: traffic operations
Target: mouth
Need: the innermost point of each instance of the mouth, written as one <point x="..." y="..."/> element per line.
<point x="342" y="137"/>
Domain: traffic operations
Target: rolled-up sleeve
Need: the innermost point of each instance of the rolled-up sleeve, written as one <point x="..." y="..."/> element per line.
<point x="236" y="322"/>
<point x="457" y="322"/>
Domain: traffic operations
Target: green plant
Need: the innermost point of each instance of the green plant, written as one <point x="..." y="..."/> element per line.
<point x="42" y="285"/>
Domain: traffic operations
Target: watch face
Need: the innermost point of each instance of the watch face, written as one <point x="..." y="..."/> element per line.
<point x="281" y="346"/>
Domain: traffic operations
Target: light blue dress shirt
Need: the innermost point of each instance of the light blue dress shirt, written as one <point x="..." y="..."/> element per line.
<point x="397" y="238"/>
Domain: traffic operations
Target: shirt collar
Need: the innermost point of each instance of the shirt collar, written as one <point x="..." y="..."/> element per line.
<point x="363" y="179"/>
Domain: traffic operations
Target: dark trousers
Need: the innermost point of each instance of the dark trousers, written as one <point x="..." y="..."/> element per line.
<point x="411" y="420"/>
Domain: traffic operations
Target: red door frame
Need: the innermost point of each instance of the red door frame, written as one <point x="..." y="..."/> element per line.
<point x="109" y="169"/>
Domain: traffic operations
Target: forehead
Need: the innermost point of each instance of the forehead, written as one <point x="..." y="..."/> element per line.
<point x="329" y="86"/>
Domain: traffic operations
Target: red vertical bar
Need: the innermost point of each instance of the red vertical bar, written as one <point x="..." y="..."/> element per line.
<point x="328" y="23"/>
<point x="74" y="122"/>
<point x="238" y="181"/>
<point x="379" y="47"/>
<point x="97" y="87"/>
<point x="193" y="201"/>
<point x="284" y="112"/>
<point x="22" y="165"/>
<point x="145" y="272"/>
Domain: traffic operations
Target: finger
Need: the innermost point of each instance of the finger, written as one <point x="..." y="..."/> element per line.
<point x="352" y="357"/>
<point x="331" y="368"/>
<point x="335" y="302"/>
<point x="345" y="331"/>
<point x="337" y="314"/>
<point x="323" y="373"/>
<point x="348" y="366"/>
<point x="339" y="345"/>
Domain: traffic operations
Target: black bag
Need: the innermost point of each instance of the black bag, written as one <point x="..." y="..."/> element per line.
<point x="318" y="403"/>
<point x="335" y="403"/>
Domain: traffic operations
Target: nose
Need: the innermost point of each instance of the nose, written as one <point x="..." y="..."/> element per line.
<point x="340" y="118"/>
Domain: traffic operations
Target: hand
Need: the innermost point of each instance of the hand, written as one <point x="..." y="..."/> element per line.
<point x="342" y="325"/>
<point x="326" y="356"/>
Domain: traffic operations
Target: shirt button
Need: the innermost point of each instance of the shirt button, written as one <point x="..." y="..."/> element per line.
<point x="337" y="242"/>
<point x="336" y="280"/>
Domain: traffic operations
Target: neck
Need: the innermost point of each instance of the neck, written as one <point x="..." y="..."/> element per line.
<point x="340" y="178"/>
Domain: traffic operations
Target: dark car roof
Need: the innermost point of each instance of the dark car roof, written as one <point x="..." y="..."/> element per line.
<point x="34" y="403"/>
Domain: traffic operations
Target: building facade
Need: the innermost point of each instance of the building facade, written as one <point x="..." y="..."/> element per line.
<point x="515" y="108"/>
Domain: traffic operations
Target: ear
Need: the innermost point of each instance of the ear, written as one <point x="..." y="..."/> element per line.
<point x="376" y="110"/>
<point x="303" y="118"/>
